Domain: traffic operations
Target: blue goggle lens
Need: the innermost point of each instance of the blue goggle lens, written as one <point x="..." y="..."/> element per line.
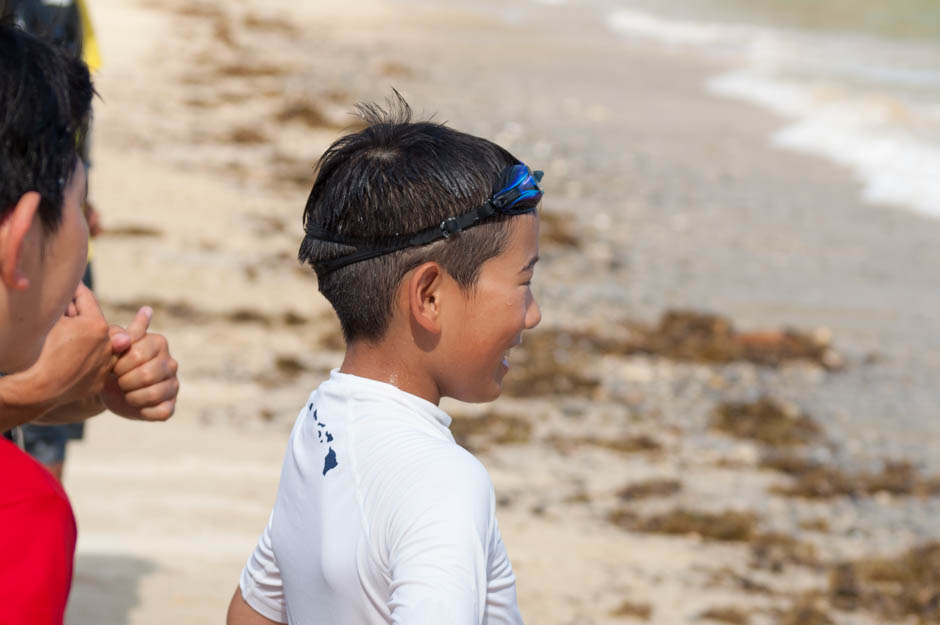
<point x="520" y="185"/>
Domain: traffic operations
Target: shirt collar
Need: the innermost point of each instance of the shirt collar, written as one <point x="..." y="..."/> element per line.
<point x="418" y="404"/>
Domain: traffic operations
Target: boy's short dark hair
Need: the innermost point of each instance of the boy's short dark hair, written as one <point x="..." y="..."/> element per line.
<point x="45" y="106"/>
<point x="393" y="178"/>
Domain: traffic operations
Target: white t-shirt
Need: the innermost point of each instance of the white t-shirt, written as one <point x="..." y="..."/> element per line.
<point x="380" y="518"/>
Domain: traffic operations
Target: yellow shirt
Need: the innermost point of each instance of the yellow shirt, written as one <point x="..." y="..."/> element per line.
<point x="91" y="54"/>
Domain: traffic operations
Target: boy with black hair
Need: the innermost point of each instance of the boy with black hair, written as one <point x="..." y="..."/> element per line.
<point x="45" y="100"/>
<point x="65" y="24"/>
<point x="424" y="240"/>
<point x="84" y="365"/>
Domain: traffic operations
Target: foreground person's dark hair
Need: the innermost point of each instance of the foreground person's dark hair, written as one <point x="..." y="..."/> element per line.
<point x="396" y="177"/>
<point x="45" y="105"/>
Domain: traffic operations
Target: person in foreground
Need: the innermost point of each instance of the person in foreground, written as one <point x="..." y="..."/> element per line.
<point x="66" y="24"/>
<point x="45" y="99"/>
<point x="424" y="240"/>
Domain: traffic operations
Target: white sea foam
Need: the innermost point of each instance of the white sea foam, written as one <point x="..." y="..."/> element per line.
<point x="894" y="165"/>
<point x="868" y="105"/>
<point x="675" y="32"/>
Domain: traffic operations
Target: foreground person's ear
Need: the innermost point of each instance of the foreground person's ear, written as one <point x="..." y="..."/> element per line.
<point x="13" y="231"/>
<point x="425" y="295"/>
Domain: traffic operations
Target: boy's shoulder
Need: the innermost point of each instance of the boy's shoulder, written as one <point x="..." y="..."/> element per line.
<point x="425" y="451"/>
<point x="399" y="437"/>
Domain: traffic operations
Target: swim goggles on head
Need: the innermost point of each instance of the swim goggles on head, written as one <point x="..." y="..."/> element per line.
<point x="519" y="192"/>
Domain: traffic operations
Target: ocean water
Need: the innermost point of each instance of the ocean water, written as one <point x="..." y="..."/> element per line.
<point x="856" y="81"/>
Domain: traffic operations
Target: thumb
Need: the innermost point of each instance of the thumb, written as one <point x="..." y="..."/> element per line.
<point x="120" y="339"/>
<point x="137" y="328"/>
<point x="85" y="302"/>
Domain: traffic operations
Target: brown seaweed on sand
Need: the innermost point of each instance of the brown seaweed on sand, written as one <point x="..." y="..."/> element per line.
<point x="695" y="336"/>
<point x="818" y="524"/>
<point x="493" y="428"/>
<point x="633" y="609"/>
<point x="773" y="551"/>
<point x="769" y="550"/>
<point x="641" y="443"/>
<point x="548" y="364"/>
<point x="133" y="231"/>
<point x="552" y="361"/>
<point x="254" y="21"/>
<point x="729" y="525"/>
<point x="656" y="487"/>
<point x="305" y="112"/>
<point x="815" y="480"/>
<point x="286" y="369"/>
<point x="805" y="612"/>
<point x="245" y="135"/>
<point x="249" y="70"/>
<point x="556" y="230"/>
<point x="732" y="616"/>
<point x="767" y="421"/>
<point x="705" y="337"/>
<point x="894" y="588"/>
<point x="726" y="576"/>
<point x="182" y="312"/>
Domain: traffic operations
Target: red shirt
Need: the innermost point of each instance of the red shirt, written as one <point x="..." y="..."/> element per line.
<point x="37" y="541"/>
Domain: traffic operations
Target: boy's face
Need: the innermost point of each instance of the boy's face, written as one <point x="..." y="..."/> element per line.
<point x="54" y="263"/>
<point x="492" y="317"/>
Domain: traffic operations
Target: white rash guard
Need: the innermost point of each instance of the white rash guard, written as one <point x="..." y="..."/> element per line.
<point x="380" y="518"/>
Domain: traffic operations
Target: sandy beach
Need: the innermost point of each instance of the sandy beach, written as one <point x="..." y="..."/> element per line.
<point x="639" y="475"/>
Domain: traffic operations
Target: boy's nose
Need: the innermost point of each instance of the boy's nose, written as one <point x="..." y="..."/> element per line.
<point x="533" y="316"/>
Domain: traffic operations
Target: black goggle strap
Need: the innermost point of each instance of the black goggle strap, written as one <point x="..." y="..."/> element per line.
<point x="366" y="250"/>
<point x="522" y="184"/>
<point x="363" y="254"/>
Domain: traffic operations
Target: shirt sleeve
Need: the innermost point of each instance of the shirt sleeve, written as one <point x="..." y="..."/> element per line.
<point x="260" y="582"/>
<point x="440" y="538"/>
<point x="501" y="605"/>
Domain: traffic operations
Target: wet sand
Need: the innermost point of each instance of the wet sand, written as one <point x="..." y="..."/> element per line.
<point x="211" y="118"/>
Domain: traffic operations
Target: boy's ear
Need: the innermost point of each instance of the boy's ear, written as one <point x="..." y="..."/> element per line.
<point x="13" y="230"/>
<point x="424" y="295"/>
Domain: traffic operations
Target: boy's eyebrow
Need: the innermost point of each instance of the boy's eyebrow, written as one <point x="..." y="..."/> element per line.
<point x="531" y="263"/>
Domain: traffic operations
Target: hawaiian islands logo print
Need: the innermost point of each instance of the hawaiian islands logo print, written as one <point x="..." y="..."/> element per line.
<point x="325" y="437"/>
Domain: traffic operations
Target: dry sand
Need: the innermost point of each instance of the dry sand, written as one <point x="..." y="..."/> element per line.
<point x="210" y="119"/>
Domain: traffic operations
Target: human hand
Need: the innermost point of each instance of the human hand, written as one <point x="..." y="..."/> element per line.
<point x="78" y="353"/>
<point x="143" y="383"/>
<point x="72" y="368"/>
